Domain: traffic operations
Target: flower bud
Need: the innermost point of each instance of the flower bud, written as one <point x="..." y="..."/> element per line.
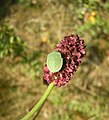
<point x="72" y="49"/>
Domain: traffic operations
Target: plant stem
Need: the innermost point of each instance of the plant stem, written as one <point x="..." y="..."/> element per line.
<point x="40" y="102"/>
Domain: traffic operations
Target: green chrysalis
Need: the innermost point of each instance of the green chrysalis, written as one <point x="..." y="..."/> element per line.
<point x="54" y="61"/>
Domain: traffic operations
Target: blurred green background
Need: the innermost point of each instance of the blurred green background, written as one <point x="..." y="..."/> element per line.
<point x="29" y="30"/>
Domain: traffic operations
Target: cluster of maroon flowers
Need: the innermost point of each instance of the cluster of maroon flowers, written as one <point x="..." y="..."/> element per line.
<point x="72" y="49"/>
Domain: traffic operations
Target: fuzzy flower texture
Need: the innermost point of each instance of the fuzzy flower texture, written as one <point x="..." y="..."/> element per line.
<point x="72" y="49"/>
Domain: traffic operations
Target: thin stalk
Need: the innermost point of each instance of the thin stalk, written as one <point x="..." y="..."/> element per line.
<point x="38" y="111"/>
<point x="40" y="102"/>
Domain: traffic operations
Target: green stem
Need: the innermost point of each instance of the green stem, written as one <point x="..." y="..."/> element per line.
<point x="40" y="102"/>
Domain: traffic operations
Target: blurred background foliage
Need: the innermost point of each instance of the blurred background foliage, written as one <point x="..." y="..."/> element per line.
<point x="29" y="30"/>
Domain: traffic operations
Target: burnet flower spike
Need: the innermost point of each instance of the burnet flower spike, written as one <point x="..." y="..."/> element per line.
<point x="65" y="59"/>
<point x="60" y="66"/>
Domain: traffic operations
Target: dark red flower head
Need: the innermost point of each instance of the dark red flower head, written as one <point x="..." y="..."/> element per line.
<point x="72" y="49"/>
